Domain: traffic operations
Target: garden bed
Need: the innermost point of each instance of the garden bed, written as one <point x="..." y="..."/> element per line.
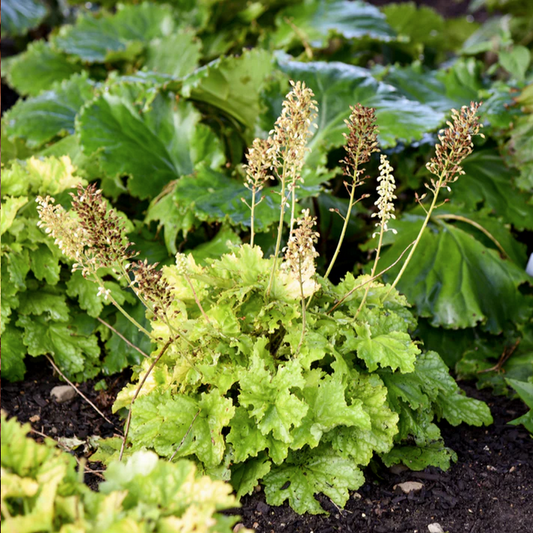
<point x="489" y="489"/>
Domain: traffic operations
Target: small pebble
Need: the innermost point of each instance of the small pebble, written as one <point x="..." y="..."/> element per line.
<point x="435" y="528"/>
<point x="62" y="393"/>
<point x="409" y="486"/>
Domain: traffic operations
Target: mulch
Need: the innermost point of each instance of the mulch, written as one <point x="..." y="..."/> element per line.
<point x="488" y="490"/>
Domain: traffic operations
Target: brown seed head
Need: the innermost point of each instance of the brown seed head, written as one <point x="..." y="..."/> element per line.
<point x="361" y="140"/>
<point x="455" y="145"/>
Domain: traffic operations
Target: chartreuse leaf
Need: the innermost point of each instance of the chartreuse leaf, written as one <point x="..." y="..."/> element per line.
<point x="116" y="37"/>
<point x="449" y="275"/>
<point x="75" y="354"/>
<point x="394" y="349"/>
<point x="525" y="391"/>
<point x="321" y="470"/>
<point x="275" y="408"/>
<point x="360" y="442"/>
<point x="190" y="426"/>
<point x="39" y="68"/>
<point x="232" y="84"/>
<point x="40" y="119"/>
<point x="339" y="85"/>
<point x="161" y="144"/>
<point x="317" y="21"/>
<point x="13" y="353"/>
<point x="327" y="410"/>
<point x="10" y="207"/>
<point x="20" y="16"/>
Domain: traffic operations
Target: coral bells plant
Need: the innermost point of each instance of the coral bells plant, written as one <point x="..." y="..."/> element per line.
<point x="264" y="372"/>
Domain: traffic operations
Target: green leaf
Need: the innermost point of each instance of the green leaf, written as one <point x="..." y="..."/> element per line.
<point x="116" y="37"/>
<point x="339" y="85"/>
<point x="119" y="354"/>
<point x="47" y="301"/>
<point x="524" y="390"/>
<point x="457" y="408"/>
<point x="224" y="242"/>
<point x="176" y="54"/>
<point x="489" y="183"/>
<point x="420" y="457"/>
<point x="515" y="61"/>
<point x="86" y="291"/>
<point x="394" y="349"/>
<point x="448" y="277"/>
<point x="39" y="119"/>
<point x="318" y="21"/>
<point x="13" y="353"/>
<point x="152" y="147"/>
<point x="20" y="16"/>
<point x="38" y="69"/>
<point x="233" y="84"/>
<point x="213" y="197"/>
<point x="75" y="354"/>
<point x="246" y="476"/>
<point x="321" y="470"/>
<point x="44" y="263"/>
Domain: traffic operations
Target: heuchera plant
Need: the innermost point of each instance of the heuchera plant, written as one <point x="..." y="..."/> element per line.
<point x="266" y="372"/>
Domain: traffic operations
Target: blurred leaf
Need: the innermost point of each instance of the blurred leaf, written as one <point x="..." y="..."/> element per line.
<point x="38" y="69"/>
<point x="515" y="61"/>
<point x="39" y="119"/>
<point x="316" y="21"/>
<point x="20" y="16"/>
<point x="108" y="37"/>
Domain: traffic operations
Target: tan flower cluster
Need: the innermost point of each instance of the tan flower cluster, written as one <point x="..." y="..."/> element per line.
<point x="300" y="251"/>
<point x="455" y="145"/>
<point x="259" y="165"/>
<point x="385" y="189"/>
<point x="361" y="141"/>
<point x="293" y="129"/>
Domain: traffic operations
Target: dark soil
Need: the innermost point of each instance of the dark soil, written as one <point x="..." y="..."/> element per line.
<point x="489" y="489"/>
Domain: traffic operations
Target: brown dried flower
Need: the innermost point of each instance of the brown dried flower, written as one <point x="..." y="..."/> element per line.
<point x="151" y="286"/>
<point x="455" y="145"/>
<point x="361" y="141"/>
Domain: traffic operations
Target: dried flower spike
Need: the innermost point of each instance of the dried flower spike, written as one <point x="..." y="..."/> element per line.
<point x="259" y="167"/>
<point x="385" y="190"/>
<point x="150" y="285"/>
<point x="361" y="140"/>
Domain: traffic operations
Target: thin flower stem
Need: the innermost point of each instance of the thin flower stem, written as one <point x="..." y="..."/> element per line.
<point x="378" y="252"/>
<point x="141" y="384"/>
<point x="252" y="219"/>
<point x="196" y="299"/>
<point x="346" y="218"/>
<point x="185" y="436"/>
<point x="304" y="317"/>
<point x="293" y="206"/>
<point x="119" y="307"/>
<point x="130" y="344"/>
<point x="370" y="280"/>
<point x="78" y="391"/>
<point x="280" y="225"/>
<point x="419" y="236"/>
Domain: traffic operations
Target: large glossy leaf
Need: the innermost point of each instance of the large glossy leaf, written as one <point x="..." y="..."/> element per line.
<point x="456" y="280"/>
<point x="233" y="84"/>
<point x="20" y="16"/>
<point x="337" y="86"/>
<point x="489" y="183"/>
<point x="38" y="68"/>
<point x="52" y="113"/>
<point x="317" y="20"/>
<point x="153" y="147"/>
<point x="176" y="54"/>
<point x="116" y="37"/>
<point x="211" y="196"/>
